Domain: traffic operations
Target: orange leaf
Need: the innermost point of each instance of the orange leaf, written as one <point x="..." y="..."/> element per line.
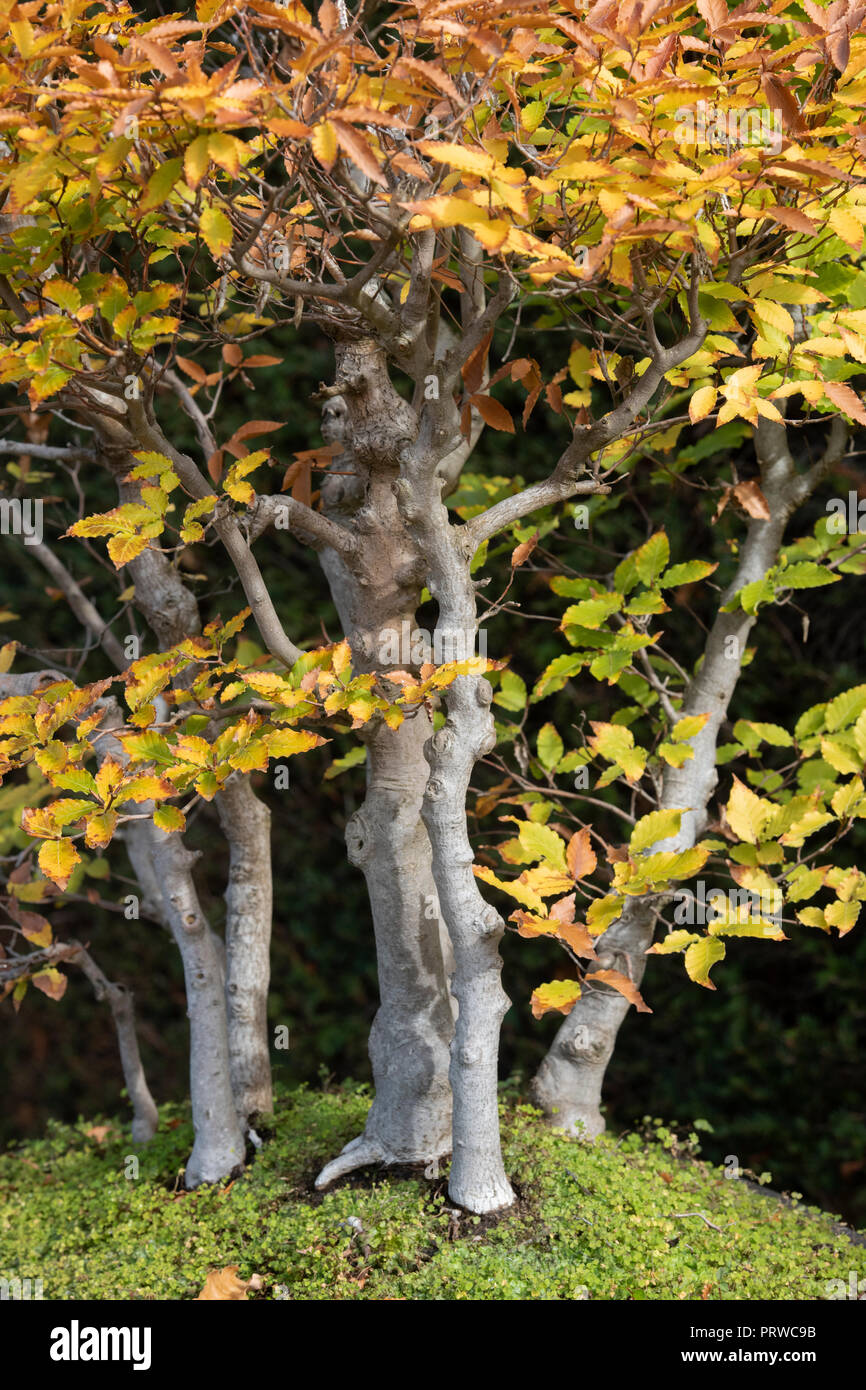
<point x="521" y="553"/>
<point x="624" y="985"/>
<point x="575" y="935"/>
<point x="224" y="1285"/>
<point x="846" y="399"/>
<point x="580" y="855"/>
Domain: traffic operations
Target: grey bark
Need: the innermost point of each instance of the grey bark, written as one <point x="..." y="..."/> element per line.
<point x="568" y="1085"/>
<point x="246" y="822"/>
<point x="375" y="578"/>
<point x="145" y="1116"/>
<point x="219" y="1139"/>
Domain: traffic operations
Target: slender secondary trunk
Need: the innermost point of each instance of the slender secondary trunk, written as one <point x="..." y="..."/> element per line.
<point x="145" y="1116"/>
<point x="376" y="593"/>
<point x="219" y="1139"/>
<point x="246" y="822"/>
<point x="172" y="613"/>
<point x="568" y="1084"/>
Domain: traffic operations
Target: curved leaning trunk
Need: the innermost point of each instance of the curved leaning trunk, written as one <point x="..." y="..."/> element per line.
<point x="568" y="1084"/>
<point x="145" y="1116"/>
<point x="246" y="822"/>
<point x="478" y="1181"/>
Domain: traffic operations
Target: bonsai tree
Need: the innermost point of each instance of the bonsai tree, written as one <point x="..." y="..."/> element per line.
<point x="672" y="193"/>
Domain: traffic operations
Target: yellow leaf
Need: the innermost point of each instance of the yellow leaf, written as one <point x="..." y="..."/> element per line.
<point x="700" y="958"/>
<point x="196" y="160"/>
<point x="747" y="813"/>
<point x="122" y="549"/>
<point x="702" y="403"/>
<point x="57" y="859"/>
<point x="216" y="231"/>
<point x="561" y="995"/>
<point x="224" y="150"/>
<point x="324" y="142"/>
<point x="846" y="226"/>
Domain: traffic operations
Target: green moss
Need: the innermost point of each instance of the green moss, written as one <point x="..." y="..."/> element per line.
<point x="606" y="1220"/>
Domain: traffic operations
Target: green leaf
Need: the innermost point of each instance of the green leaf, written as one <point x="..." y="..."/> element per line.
<point x="658" y="825"/>
<point x="511" y="694"/>
<point x="543" y="844"/>
<point x="687" y="573"/>
<point x="350" y="759"/>
<point x="652" y="557"/>
<point x="805" y="576"/>
<point x="673" y="943"/>
<point x="846" y="708"/>
<point x="550" y="747"/>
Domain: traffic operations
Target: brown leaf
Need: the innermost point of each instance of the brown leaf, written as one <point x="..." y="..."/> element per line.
<point x="752" y="500"/>
<point x="357" y="147"/>
<point x="51" y="982"/>
<point x="254" y="427"/>
<point x="224" y="1285"/>
<point x="580" y="855"/>
<point x="791" y="217"/>
<point x="215" y="466"/>
<point x="98" y="1132"/>
<point x="232" y="354"/>
<point x="624" y="986"/>
<point x="780" y="98"/>
<point x="493" y="413"/>
<point x="474" y="367"/>
<point x="521" y="553"/>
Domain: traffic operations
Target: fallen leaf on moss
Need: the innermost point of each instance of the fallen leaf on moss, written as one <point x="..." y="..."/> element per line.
<point x="224" y="1285"/>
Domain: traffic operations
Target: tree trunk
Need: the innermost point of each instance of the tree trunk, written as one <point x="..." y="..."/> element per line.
<point x="145" y="1116"/>
<point x="246" y="822"/>
<point x="376" y="594"/>
<point x="219" y="1139"/>
<point x="568" y="1084"/>
<point x="478" y="1181"/>
<point x="410" y="1119"/>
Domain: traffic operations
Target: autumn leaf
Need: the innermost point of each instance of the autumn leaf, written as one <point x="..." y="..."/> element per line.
<point x="559" y="995"/>
<point x="57" y="859"/>
<point x="624" y="986"/>
<point x="492" y="413"/>
<point x="51" y="982"/>
<point x="521" y="553"/>
<point x="752" y="500"/>
<point x="580" y="856"/>
<point x="223" y="1285"/>
<point x="216" y="231"/>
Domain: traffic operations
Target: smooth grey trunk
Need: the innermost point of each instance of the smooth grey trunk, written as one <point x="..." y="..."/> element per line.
<point x="145" y="1116"/>
<point x="568" y="1084"/>
<point x="171" y="612"/>
<point x="219" y="1139"/>
<point x="478" y="1181"/>
<point x="246" y="822"/>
